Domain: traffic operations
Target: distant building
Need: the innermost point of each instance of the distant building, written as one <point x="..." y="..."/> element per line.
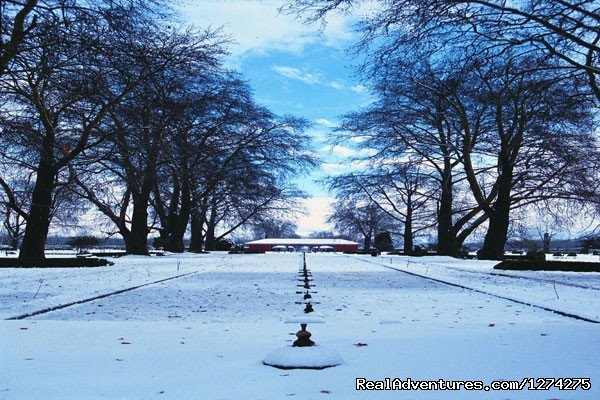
<point x="307" y="245"/>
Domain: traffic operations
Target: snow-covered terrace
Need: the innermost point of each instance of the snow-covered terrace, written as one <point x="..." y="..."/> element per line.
<point x="204" y="333"/>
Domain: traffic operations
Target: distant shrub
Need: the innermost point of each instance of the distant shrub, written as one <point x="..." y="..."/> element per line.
<point x="591" y="242"/>
<point x="237" y="249"/>
<point x="418" y="251"/>
<point x="158" y="243"/>
<point x="224" y="244"/>
<point x="432" y="247"/>
<point x="361" y="251"/>
<point x="463" y="252"/>
<point x="249" y="251"/>
<point x="84" y="242"/>
<point x="383" y="241"/>
<point x="536" y="255"/>
<point x="396" y="252"/>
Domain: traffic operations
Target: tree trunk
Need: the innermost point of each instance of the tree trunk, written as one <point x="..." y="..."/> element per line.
<point x="137" y="240"/>
<point x="447" y="245"/>
<point x="164" y="237"/>
<point x="14" y="242"/>
<point x="169" y="221"/>
<point x="210" y="238"/>
<point x="211" y="242"/>
<point x="367" y="241"/>
<point x="496" y="236"/>
<point x="175" y="241"/>
<point x="499" y="220"/>
<point x="408" y="230"/>
<point x="197" y="239"/>
<point x="38" y="220"/>
<point x="546" y="242"/>
<point x="179" y="223"/>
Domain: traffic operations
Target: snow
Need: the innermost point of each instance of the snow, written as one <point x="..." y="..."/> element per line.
<point x="300" y="242"/>
<point x="313" y="357"/>
<point x="569" y="292"/>
<point x="206" y="334"/>
<point x="306" y="319"/>
<point x="578" y="257"/>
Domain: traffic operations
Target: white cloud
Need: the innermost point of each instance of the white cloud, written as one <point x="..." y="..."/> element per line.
<point x="326" y="123"/>
<point x="333" y="168"/>
<point x="368" y="152"/>
<point x="317" y="134"/>
<point x="361" y="164"/>
<point x="296" y="74"/>
<point x="343" y="151"/>
<point x="318" y="208"/>
<point x="360" y="89"/>
<point x="256" y="25"/>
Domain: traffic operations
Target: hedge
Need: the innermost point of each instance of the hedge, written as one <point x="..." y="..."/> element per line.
<point x="522" y="265"/>
<point x="246" y="251"/>
<point x="53" y="262"/>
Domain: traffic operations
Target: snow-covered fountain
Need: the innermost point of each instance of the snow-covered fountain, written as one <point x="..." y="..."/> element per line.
<point x="304" y="353"/>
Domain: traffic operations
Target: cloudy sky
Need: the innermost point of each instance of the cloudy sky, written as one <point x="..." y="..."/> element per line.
<point x="293" y="69"/>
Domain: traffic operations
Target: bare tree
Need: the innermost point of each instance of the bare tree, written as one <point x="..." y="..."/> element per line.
<point x="539" y="146"/>
<point x="269" y="226"/>
<point x="192" y="144"/>
<point x="60" y="89"/>
<point x="567" y="31"/>
<point x="402" y="192"/>
<point x="203" y="105"/>
<point x="14" y="198"/>
<point x="412" y="123"/>
<point x="17" y="21"/>
<point x="504" y="92"/>
<point x="359" y="218"/>
<point x="141" y="128"/>
<point x="230" y="167"/>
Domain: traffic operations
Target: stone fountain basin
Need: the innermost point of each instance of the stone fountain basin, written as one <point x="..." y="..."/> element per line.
<point x="313" y="357"/>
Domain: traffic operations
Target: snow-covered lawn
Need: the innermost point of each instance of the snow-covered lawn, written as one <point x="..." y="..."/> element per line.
<point x="204" y="335"/>
<point x="570" y="292"/>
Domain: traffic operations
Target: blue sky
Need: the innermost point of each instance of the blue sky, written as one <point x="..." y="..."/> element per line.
<point x="293" y="69"/>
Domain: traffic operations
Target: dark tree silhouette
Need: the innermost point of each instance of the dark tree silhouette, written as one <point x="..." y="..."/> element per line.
<point x="566" y="31"/>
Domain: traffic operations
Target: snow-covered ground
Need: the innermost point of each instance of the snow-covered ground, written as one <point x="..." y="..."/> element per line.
<point x="569" y="292"/>
<point x="204" y="335"/>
